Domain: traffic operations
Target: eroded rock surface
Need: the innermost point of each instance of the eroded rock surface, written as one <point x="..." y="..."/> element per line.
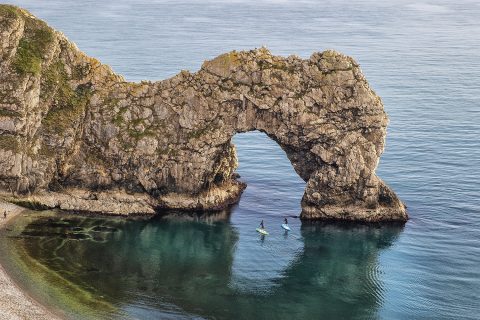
<point x="76" y="135"/>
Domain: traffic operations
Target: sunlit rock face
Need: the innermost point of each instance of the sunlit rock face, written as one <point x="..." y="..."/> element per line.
<point x="77" y="136"/>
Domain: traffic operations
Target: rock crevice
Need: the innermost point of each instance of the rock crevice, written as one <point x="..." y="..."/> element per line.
<point x="67" y="122"/>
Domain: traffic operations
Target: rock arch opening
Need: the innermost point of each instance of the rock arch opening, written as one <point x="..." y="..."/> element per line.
<point x="273" y="186"/>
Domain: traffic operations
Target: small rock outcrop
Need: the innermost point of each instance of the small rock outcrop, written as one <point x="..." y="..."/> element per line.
<point x="75" y="135"/>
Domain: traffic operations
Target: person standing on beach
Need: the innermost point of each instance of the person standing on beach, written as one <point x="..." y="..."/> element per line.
<point x="5" y="214"/>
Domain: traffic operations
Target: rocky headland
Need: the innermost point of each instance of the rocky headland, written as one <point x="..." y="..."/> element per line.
<point x="77" y="136"/>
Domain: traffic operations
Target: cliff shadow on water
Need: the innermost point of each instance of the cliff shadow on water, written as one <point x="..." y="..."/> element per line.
<point x="174" y="267"/>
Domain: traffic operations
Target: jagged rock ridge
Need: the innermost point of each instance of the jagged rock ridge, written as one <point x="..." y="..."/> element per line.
<point x="76" y="135"/>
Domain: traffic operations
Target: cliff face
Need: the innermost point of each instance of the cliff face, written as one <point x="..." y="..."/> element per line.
<point x="77" y="136"/>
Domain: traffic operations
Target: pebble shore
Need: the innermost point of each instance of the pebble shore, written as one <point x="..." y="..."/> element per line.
<point x="14" y="303"/>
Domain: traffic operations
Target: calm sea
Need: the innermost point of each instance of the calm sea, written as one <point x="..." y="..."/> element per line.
<point x="421" y="57"/>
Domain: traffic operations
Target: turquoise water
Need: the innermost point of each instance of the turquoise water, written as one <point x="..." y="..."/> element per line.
<point x="422" y="58"/>
<point x="208" y="268"/>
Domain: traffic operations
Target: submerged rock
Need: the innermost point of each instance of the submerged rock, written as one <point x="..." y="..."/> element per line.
<point x="75" y="135"/>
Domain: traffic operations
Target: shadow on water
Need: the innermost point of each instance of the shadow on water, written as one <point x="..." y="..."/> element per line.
<point x="171" y="268"/>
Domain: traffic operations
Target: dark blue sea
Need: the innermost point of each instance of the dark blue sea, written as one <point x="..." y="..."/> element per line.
<point x="421" y="57"/>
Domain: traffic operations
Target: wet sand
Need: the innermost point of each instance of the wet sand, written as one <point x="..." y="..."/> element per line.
<point x="14" y="303"/>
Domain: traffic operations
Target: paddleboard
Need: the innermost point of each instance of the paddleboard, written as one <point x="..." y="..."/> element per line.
<point x="262" y="231"/>
<point x="286" y="227"/>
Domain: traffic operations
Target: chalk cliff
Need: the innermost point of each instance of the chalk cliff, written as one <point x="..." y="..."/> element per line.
<point x="75" y="135"/>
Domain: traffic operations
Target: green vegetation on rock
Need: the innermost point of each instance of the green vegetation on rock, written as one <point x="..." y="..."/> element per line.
<point x="118" y="118"/>
<point x="277" y="65"/>
<point x="8" y="142"/>
<point x="195" y="134"/>
<point x="8" y="11"/>
<point x="230" y="58"/>
<point x="46" y="150"/>
<point x="9" y="113"/>
<point x="32" y="47"/>
<point x="137" y="135"/>
<point x="69" y="104"/>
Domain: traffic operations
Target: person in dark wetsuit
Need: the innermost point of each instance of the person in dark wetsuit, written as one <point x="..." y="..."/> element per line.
<point x="5" y="214"/>
<point x="285" y="221"/>
<point x="262" y="226"/>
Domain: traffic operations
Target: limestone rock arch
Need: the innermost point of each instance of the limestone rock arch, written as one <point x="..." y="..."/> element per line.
<point x="75" y="135"/>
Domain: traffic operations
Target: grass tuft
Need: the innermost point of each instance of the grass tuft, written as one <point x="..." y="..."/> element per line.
<point x="69" y="104"/>
<point x="8" y="142"/>
<point x="31" y="50"/>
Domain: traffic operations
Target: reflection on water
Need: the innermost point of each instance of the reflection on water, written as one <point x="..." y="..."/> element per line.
<point x="211" y="266"/>
<point x="169" y="267"/>
<point x="422" y="58"/>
